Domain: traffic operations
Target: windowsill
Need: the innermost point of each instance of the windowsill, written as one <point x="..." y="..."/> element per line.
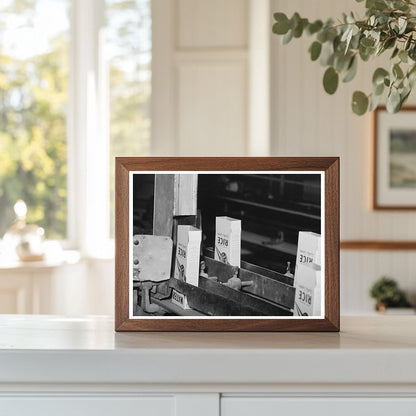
<point x="55" y="256"/>
<point x="64" y="257"/>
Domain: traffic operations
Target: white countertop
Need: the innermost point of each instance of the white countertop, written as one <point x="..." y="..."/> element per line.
<point x="52" y="349"/>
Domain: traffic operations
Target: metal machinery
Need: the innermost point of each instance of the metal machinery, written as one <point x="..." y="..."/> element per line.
<point x="222" y="290"/>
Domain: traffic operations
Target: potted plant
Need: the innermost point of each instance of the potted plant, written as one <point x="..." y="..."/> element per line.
<point x="389" y="27"/>
<point x="387" y="294"/>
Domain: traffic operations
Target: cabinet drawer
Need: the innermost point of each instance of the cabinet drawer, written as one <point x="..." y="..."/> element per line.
<point x="88" y="406"/>
<point x="273" y="406"/>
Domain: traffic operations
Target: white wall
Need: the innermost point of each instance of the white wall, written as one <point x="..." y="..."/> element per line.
<point x="203" y="84"/>
<point x="308" y="122"/>
<point x="209" y="61"/>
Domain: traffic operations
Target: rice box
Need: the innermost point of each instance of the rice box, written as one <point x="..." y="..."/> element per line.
<point x="308" y="290"/>
<point x="188" y="247"/>
<point x="228" y="240"/>
<point x="309" y="249"/>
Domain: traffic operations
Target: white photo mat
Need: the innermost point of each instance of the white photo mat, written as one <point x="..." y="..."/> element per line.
<point x="322" y="300"/>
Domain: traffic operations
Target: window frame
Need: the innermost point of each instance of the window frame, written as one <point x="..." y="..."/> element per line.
<point x="88" y="138"/>
<point x="87" y="133"/>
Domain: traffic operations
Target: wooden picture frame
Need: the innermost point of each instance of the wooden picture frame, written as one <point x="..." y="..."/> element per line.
<point x="127" y="167"/>
<point x="394" y="184"/>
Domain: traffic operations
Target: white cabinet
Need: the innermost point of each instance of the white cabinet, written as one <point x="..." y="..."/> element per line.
<point x="68" y="286"/>
<point x="26" y="291"/>
<point x="51" y="365"/>
<point x="88" y="406"/>
<point x="272" y="406"/>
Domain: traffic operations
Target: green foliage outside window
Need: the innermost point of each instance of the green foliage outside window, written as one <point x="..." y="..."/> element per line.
<point x="34" y="104"/>
<point x="129" y="37"/>
<point x="33" y="100"/>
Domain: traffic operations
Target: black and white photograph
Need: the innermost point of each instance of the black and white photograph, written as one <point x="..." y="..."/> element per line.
<point x="226" y="244"/>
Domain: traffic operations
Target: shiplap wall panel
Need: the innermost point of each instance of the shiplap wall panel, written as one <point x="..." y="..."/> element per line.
<point x="212" y="24"/>
<point x="212" y="108"/>
<point x="308" y="122"/>
<point x="212" y="82"/>
<point x="200" y="77"/>
<point x="359" y="270"/>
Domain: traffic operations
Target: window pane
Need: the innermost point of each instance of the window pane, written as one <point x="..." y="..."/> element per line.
<point x="129" y="46"/>
<point x="33" y="100"/>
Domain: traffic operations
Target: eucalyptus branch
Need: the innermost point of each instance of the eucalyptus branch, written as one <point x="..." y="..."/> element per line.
<point x="389" y="25"/>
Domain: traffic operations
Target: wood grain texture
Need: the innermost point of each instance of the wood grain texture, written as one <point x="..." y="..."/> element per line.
<point x="330" y="165"/>
<point x="121" y="244"/>
<point x="378" y="245"/>
<point x="376" y="205"/>
<point x="332" y="225"/>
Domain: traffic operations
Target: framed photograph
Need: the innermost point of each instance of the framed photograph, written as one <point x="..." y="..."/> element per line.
<point x="227" y="244"/>
<point x="394" y="179"/>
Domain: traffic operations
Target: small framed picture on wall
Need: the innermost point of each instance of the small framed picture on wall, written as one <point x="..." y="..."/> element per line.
<point x="394" y="149"/>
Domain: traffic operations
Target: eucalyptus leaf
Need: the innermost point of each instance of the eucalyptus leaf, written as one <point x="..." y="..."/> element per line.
<point x="378" y="89"/>
<point x="374" y="101"/>
<point x="411" y="71"/>
<point x="327" y="53"/>
<point x="347" y="34"/>
<point x="376" y="36"/>
<point x="404" y="96"/>
<point x="288" y="37"/>
<point x="411" y="78"/>
<point x="366" y="53"/>
<point x="376" y="4"/>
<point x="400" y="5"/>
<point x="314" y="27"/>
<point x="315" y="50"/>
<point x="342" y="62"/>
<point x="352" y="32"/>
<point x="281" y="27"/>
<point x="402" y="22"/>
<point x="359" y="103"/>
<point x="397" y="71"/>
<point x="395" y="52"/>
<point x="294" y="20"/>
<point x="351" y="72"/>
<point x="389" y="43"/>
<point x="322" y="36"/>
<point x="367" y="42"/>
<point x="350" y="18"/>
<point x="330" y="81"/>
<point x="403" y="56"/>
<point x="298" y="30"/>
<point x="393" y="101"/>
<point x="379" y="75"/>
<point x="337" y="44"/>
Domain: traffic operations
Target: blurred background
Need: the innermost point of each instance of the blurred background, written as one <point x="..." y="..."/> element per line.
<point x="83" y="81"/>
